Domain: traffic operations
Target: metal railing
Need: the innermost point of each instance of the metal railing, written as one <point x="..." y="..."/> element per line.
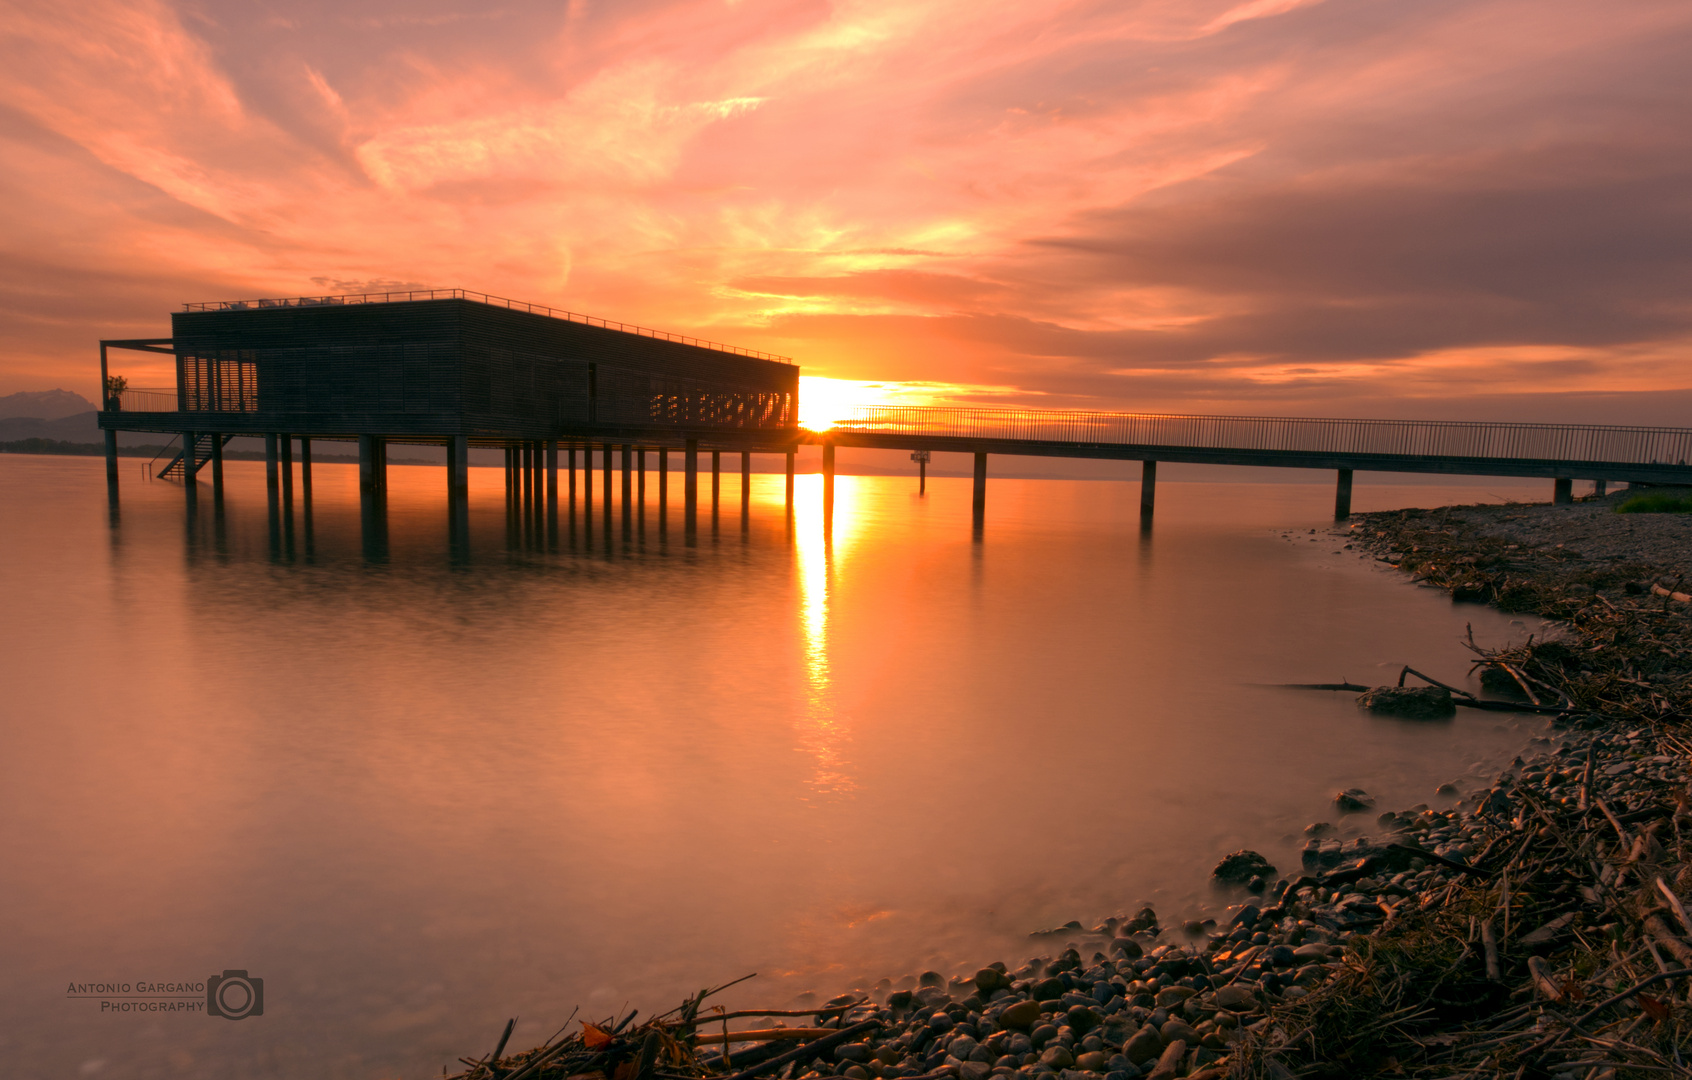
<point x="1418" y="438"/>
<point x="480" y="298"/>
<point x="140" y="399"/>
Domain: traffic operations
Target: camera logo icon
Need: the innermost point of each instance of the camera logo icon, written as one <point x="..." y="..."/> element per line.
<point x="234" y="995"/>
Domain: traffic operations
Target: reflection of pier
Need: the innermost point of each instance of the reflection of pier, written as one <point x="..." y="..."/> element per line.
<point x="464" y="371"/>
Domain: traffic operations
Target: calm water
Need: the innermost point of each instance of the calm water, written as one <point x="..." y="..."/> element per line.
<point x="417" y="796"/>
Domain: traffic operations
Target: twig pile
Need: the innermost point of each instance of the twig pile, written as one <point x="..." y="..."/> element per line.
<point x="1567" y="956"/>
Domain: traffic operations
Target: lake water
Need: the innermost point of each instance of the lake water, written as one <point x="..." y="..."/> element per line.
<point x="423" y="792"/>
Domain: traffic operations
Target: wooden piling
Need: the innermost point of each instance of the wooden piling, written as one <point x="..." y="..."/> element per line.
<point x="458" y="467"/>
<point x="190" y="482"/>
<point x="1562" y="491"/>
<point x="605" y="448"/>
<point x="1148" y="489"/>
<point x="111" y="461"/>
<point x="663" y="489"/>
<point x="285" y="443"/>
<point x="690" y="487"/>
<point x="305" y="466"/>
<point x="217" y="468"/>
<point x="367" y="463"/>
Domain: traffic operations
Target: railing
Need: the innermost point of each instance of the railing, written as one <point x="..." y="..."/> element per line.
<point x="1418" y="438"/>
<point x="144" y="400"/>
<point x="480" y="298"/>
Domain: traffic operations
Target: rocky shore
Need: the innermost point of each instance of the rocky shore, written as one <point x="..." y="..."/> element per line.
<point x="1537" y="927"/>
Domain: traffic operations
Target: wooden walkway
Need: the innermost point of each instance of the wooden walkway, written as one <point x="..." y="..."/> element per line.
<point x="1559" y="452"/>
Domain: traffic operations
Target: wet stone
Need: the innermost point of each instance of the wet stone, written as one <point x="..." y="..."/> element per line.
<point x="1179" y="1029"/>
<point x="1240" y="867"/>
<point x="1144" y="1046"/>
<point x="1354" y="801"/>
<point x="1021" y="1015"/>
<point x="1236" y="998"/>
<point x="1057" y="1057"/>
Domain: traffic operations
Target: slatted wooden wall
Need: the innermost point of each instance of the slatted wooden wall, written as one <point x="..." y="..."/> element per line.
<point x="456" y="366"/>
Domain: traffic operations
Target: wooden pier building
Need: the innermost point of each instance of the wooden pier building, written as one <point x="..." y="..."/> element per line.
<point x="443" y="367"/>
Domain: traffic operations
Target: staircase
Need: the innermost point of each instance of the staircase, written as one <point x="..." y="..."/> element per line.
<point x="202" y="454"/>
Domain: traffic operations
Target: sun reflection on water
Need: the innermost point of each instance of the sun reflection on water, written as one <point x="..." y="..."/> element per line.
<point x="823" y="731"/>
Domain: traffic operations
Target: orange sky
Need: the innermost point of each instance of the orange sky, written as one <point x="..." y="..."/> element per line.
<point x="1271" y="206"/>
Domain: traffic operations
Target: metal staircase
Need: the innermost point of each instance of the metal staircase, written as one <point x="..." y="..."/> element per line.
<point x="202" y="454"/>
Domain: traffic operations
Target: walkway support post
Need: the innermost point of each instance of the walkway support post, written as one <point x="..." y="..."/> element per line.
<point x="111" y="463"/>
<point x="587" y="482"/>
<point x="979" y="505"/>
<point x="1599" y="487"/>
<point x="690" y="487"/>
<point x="570" y="475"/>
<point x="791" y="454"/>
<point x="305" y="466"/>
<point x="1342" y="496"/>
<point x="745" y="486"/>
<point x="1562" y="491"/>
<point x="828" y="482"/>
<point x="1148" y="489"/>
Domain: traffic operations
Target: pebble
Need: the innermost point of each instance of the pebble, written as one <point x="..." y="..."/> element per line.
<point x="1057" y="1057"/>
<point x="1179" y="1029"/>
<point x="1021" y="1015"/>
<point x="1144" y="1046"/>
<point x="1237" y="998"/>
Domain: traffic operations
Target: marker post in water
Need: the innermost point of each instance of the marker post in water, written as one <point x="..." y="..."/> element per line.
<point x="921" y="458"/>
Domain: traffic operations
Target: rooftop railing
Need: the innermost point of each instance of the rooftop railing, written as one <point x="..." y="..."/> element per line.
<point x="1416" y="438"/>
<point x="480" y="298"/>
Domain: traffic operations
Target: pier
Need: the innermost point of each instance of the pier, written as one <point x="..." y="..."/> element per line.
<point x="465" y="370"/>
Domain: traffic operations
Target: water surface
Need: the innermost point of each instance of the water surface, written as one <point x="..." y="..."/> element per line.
<point x="419" y="790"/>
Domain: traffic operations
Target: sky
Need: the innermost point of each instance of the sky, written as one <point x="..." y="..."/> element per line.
<point x="1478" y="209"/>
